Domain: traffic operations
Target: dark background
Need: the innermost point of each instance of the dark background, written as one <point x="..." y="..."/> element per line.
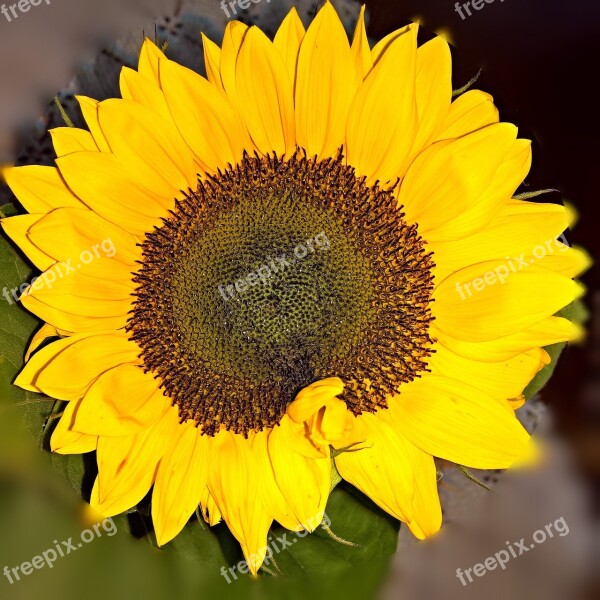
<point x="540" y="61"/>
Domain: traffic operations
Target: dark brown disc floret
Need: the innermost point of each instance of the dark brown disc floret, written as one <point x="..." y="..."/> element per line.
<point x="272" y="275"/>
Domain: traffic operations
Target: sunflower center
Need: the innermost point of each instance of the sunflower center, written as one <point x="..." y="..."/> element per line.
<point x="275" y="274"/>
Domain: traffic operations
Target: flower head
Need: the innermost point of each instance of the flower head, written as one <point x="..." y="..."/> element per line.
<point x="309" y="272"/>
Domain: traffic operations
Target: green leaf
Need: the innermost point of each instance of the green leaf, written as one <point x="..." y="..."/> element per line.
<point x="39" y="412"/>
<point x="575" y="312"/>
<point x="370" y="535"/>
<point x="8" y="210"/>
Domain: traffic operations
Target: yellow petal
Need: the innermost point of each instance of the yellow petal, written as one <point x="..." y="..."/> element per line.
<point x="110" y="189"/>
<point x="235" y="31"/>
<point x="511" y="235"/>
<point x="553" y="330"/>
<point x="382" y="468"/>
<point x="311" y="398"/>
<point x="206" y="119"/>
<point x="137" y="88"/>
<point x="127" y="465"/>
<point x="83" y="356"/>
<point x="17" y="228"/>
<point x="210" y="510"/>
<point x="427" y="510"/>
<point x="66" y="441"/>
<point x="150" y="56"/>
<point x="235" y="489"/>
<point x="383" y="120"/>
<point x="326" y="83"/>
<point x="304" y="482"/>
<point x="83" y="238"/>
<point x="488" y="301"/>
<point x="287" y="41"/>
<point x="571" y="262"/>
<point x="471" y="111"/>
<point x="452" y="420"/>
<point x="152" y="148"/>
<point x="41" y="335"/>
<point x="212" y="60"/>
<point x="180" y="482"/>
<point x="71" y="139"/>
<point x="79" y="294"/>
<point x="444" y="187"/>
<point x="267" y="101"/>
<point x="89" y="109"/>
<point x="272" y="498"/>
<point x="361" y="51"/>
<point x="39" y="189"/>
<point x="383" y="45"/>
<point x="122" y="401"/>
<point x="57" y="316"/>
<point x="433" y="90"/>
<point x="503" y="380"/>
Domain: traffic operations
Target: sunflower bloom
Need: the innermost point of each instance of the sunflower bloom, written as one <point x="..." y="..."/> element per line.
<point x="310" y="274"/>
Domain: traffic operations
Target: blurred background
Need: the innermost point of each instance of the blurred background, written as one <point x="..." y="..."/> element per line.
<point x="539" y="60"/>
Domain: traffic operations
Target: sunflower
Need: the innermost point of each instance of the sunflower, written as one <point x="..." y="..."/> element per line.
<point x="310" y="277"/>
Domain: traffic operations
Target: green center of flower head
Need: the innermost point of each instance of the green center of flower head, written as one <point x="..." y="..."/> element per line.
<point x="275" y="274"/>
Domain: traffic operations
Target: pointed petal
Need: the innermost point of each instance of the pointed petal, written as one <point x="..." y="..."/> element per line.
<point x="503" y="380"/>
<point x="383" y="120"/>
<point x="71" y="139"/>
<point x="137" y="88"/>
<point x="89" y="109"/>
<point x="553" y="330"/>
<point x="83" y="356"/>
<point x="471" y="111"/>
<point x="127" y="465"/>
<point x="180" y="481"/>
<point x="110" y="189"/>
<point x="326" y="83"/>
<point x="152" y="148"/>
<point x="41" y="335"/>
<point x="17" y="228"/>
<point x="382" y="468"/>
<point x="433" y="90"/>
<point x="361" y="51"/>
<point x="206" y="119"/>
<point x="235" y="32"/>
<point x="39" y="189"/>
<point x="472" y="308"/>
<point x="150" y="56"/>
<point x="304" y="482"/>
<point x="444" y="190"/>
<point x="212" y="61"/>
<point x="66" y="441"/>
<point x="267" y="100"/>
<point x="452" y="420"/>
<point x="236" y="491"/>
<point x="123" y="401"/>
<point x="273" y="500"/>
<point x="287" y="41"/>
<point x="66" y="233"/>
